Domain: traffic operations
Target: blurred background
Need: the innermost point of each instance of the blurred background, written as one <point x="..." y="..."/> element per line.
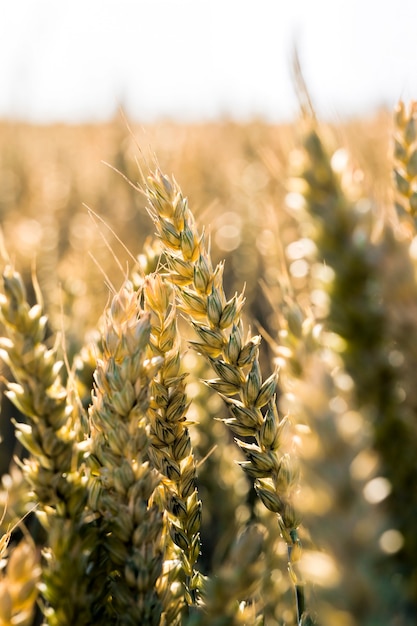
<point x="207" y="87"/>
<point x="204" y="88"/>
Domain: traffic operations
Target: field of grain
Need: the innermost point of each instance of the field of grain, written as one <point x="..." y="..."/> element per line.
<point x="208" y="356"/>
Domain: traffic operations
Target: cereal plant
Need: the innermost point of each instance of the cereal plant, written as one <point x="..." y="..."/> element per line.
<point x="210" y="452"/>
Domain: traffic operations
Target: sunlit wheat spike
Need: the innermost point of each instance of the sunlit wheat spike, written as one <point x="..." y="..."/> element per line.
<point x="122" y="479"/>
<point x="169" y="435"/>
<point x="234" y="358"/>
<point x="50" y="432"/>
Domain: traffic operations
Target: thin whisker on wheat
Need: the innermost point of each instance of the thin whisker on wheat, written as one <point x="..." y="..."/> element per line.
<point x="5" y="509"/>
<point x="131" y="133"/>
<point x="161" y="265"/>
<point x="4" y="540"/>
<point x="108" y="282"/>
<point x="63" y="336"/>
<point x="4" y="255"/>
<point x="113" y="254"/>
<point x="141" y="174"/>
<point x="208" y="455"/>
<point x="36" y="286"/>
<point x="155" y="165"/>
<point x="138" y="147"/>
<point x="112" y="167"/>
<point x="95" y="215"/>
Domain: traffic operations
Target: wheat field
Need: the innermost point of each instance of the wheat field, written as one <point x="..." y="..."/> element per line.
<point x="207" y="351"/>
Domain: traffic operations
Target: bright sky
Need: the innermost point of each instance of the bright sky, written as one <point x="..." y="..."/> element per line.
<point x="78" y="60"/>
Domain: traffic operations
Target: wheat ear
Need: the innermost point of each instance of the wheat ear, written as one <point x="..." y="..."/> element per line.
<point x="121" y="482"/>
<point x="219" y="328"/>
<point x="170" y="449"/>
<point x="53" y="467"/>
